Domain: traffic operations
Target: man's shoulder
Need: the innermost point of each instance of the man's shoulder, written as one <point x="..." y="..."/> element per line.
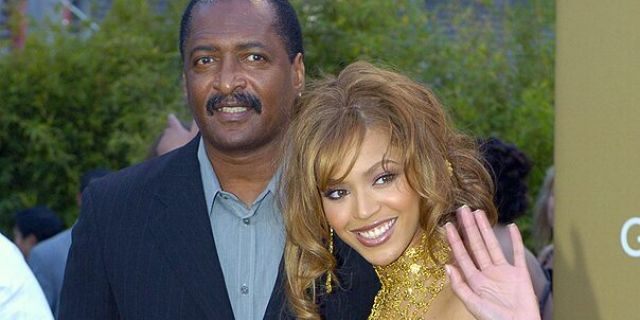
<point x="142" y="176"/>
<point x="53" y="246"/>
<point x="130" y="196"/>
<point x="14" y="268"/>
<point x="21" y="293"/>
<point x="139" y="173"/>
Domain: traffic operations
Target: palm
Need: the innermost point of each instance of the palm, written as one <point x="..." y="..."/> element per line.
<point x="488" y="285"/>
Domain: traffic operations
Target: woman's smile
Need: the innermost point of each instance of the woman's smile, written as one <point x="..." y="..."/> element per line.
<point x="375" y="234"/>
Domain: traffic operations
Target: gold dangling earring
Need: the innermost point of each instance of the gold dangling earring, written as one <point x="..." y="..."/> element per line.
<point x="327" y="285"/>
<point x="449" y="167"/>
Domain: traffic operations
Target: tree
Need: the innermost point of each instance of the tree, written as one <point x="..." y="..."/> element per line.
<point x="70" y="103"/>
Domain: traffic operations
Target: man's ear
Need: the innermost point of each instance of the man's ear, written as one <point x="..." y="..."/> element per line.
<point x="31" y="240"/>
<point x="299" y="73"/>
<point x="185" y="93"/>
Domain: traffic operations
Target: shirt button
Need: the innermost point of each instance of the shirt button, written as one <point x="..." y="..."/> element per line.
<point x="226" y="197"/>
<point x="246" y="221"/>
<point x="244" y="289"/>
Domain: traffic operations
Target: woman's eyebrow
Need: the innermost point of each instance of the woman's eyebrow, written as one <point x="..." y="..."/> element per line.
<point x="379" y="164"/>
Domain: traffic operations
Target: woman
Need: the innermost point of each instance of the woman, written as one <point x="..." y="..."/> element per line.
<point x="372" y="158"/>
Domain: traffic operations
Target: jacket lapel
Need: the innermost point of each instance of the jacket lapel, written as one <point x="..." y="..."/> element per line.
<point x="277" y="307"/>
<point x="181" y="227"/>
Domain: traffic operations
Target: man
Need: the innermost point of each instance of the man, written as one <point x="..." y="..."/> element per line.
<point x="34" y="225"/>
<point x="196" y="233"/>
<point x="49" y="258"/>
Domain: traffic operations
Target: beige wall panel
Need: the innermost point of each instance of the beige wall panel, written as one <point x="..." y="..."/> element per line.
<point x="597" y="159"/>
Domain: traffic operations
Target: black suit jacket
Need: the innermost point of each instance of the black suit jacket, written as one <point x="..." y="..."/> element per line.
<point x="143" y="249"/>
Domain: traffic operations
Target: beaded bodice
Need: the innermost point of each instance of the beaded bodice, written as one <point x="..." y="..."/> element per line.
<point x="411" y="283"/>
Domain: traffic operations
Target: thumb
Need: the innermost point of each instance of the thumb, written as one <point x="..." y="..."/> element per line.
<point x="173" y="122"/>
<point x="194" y="128"/>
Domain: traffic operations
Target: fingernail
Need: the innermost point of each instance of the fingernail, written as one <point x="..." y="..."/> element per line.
<point x="447" y="269"/>
<point x="464" y="207"/>
<point x="449" y="226"/>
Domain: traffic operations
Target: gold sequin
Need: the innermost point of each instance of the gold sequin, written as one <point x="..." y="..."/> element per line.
<point x="411" y="283"/>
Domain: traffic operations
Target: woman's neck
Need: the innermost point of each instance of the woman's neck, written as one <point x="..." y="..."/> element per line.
<point x="412" y="282"/>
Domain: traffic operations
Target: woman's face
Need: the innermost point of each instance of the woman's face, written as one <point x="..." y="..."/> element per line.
<point x="374" y="210"/>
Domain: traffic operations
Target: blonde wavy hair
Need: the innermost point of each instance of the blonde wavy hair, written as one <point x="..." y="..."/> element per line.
<point x="331" y="122"/>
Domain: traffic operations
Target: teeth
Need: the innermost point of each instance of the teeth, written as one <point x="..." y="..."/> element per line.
<point x="233" y="109"/>
<point x="378" y="231"/>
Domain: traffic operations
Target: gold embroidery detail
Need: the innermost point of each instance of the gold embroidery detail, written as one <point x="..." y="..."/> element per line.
<point x="449" y="167"/>
<point x="411" y="283"/>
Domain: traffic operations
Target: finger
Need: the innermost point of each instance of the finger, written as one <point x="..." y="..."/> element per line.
<point x="173" y="122"/>
<point x="474" y="239"/>
<point x="194" y="128"/>
<point x="460" y="251"/>
<point x="493" y="246"/>
<point x="468" y="297"/>
<point x="518" y="246"/>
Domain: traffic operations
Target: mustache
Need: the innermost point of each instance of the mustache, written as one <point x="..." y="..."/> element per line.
<point x="240" y="98"/>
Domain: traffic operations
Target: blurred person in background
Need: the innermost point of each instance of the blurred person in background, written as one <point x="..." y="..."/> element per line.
<point x="34" y="225"/>
<point x="510" y="168"/>
<point x="20" y="295"/>
<point x="49" y="258"/>
<point x="175" y="135"/>
<point x="544" y="216"/>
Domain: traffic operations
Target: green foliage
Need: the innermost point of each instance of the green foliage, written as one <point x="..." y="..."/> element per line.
<point x="70" y="103"/>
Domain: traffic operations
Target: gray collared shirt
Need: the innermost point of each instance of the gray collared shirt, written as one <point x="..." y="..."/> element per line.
<point x="249" y="241"/>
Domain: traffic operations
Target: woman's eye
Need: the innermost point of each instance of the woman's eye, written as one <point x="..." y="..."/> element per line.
<point x="384" y="179"/>
<point x="335" y="194"/>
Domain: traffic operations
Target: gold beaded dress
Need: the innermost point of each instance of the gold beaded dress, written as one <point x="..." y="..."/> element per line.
<point x="411" y="283"/>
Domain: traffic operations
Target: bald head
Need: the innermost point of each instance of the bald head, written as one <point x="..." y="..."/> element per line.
<point x="286" y="24"/>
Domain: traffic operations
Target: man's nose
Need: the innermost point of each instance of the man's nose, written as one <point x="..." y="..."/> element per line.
<point x="229" y="77"/>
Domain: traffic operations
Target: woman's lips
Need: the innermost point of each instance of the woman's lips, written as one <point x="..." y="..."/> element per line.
<point x="376" y="234"/>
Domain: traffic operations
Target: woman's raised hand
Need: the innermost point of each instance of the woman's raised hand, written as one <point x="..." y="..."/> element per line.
<point x="488" y="285"/>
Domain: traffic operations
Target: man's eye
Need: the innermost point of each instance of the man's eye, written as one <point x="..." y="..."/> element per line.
<point x="335" y="194"/>
<point x="384" y="179"/>
<point x="204" y="60"/>
<point x="255" y="57"/>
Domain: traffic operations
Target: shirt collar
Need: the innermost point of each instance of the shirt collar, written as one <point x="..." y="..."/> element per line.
<point x="210" y="182"/>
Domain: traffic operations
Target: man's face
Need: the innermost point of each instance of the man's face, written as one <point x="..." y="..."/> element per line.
<point x="23" y="243"/>
<point x="239" y="81"/>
